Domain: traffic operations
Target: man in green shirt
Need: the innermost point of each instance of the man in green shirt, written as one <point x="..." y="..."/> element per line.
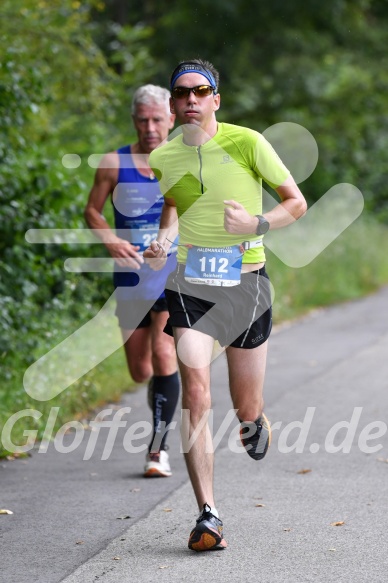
<point x="211" y="178"/>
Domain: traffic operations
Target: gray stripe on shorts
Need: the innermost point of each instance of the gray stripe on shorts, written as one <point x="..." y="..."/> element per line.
<point x="254" y="311"/>
<point x="181" y="297"/>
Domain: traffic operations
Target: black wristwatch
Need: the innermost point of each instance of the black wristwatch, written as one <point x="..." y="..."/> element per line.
<point x="262" y="226"/>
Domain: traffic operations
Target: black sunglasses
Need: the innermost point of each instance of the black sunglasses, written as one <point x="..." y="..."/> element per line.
<point x="199" y="91"/>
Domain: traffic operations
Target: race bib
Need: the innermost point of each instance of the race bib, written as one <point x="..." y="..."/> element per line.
<point x="214" y="265"/>
<point x="143" y="236"/>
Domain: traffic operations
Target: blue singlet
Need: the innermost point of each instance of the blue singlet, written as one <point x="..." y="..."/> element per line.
<point x="137" y="204"/>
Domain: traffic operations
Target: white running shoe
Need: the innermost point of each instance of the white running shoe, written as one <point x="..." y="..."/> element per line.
<point x="157" y="465"/>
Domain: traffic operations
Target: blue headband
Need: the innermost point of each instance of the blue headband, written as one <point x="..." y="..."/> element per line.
<point x="188" y="67"/>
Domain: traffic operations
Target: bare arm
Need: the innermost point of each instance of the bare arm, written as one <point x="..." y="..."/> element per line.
<point x="105" y="181"/>
<point x="292" y="206"/>
<point x="168" y="230"/>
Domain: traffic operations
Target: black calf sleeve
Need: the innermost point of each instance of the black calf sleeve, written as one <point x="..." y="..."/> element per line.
<point x="165" y="399"/>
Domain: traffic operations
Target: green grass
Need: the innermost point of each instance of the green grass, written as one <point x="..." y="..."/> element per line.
<point x="353" y="266"/>
<point x="104" y="384"/>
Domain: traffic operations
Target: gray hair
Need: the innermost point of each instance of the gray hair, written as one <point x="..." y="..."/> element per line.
<point x="151" y="95"/>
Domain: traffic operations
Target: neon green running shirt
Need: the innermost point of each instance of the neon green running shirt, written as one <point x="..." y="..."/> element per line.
<point x="231" y="165"/>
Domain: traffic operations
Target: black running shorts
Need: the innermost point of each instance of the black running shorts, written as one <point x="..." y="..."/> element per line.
<point x="238" y="316"/>
<point x="133" y="314"/>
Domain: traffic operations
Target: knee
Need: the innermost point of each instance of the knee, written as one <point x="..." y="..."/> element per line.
<point x="163" y="352"/>
<point x="196" y="398"/>
<point x="164" y="357"/>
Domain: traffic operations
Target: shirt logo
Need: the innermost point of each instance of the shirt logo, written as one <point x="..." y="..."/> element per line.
<point x="226" y="159"/>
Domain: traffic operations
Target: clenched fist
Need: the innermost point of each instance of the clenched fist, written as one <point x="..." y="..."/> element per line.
<point x="237" y="221"/>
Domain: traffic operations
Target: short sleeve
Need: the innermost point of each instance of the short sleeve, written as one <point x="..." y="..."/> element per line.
<point x="156" y="162"/>
<point x="267" y="163"/>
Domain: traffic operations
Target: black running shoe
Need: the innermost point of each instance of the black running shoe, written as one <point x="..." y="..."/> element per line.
<point x="207" y="533"/>
<point x="257" y="444"/>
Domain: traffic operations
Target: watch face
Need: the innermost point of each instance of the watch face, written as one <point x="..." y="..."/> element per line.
<point x="263" y="225"/>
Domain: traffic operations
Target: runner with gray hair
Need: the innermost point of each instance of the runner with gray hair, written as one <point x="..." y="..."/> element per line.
<point x="150" y="94"/>
<point x="141" y="309"/>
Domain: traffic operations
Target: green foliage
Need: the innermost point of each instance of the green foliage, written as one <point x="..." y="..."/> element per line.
<point x="320" y="64"/>
<point x="51" y="71"/>
<point x="59" y="94"/>
<point x="52" y="76"/>
<point x="105" y="383"/>
<point x="342" y="272"/>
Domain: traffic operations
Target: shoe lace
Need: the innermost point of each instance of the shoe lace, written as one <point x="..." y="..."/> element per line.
<point x="205" y="512"/>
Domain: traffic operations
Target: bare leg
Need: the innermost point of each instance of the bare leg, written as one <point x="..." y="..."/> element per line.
<point x="196" y="347"/>
<point x="149" y="350"/>
<point x="246" y="380"/>
<point x="164" y="360"/>
<point x="137" y="346"/>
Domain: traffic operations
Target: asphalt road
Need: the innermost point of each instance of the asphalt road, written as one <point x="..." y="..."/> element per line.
<point x="314" y="510"/>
